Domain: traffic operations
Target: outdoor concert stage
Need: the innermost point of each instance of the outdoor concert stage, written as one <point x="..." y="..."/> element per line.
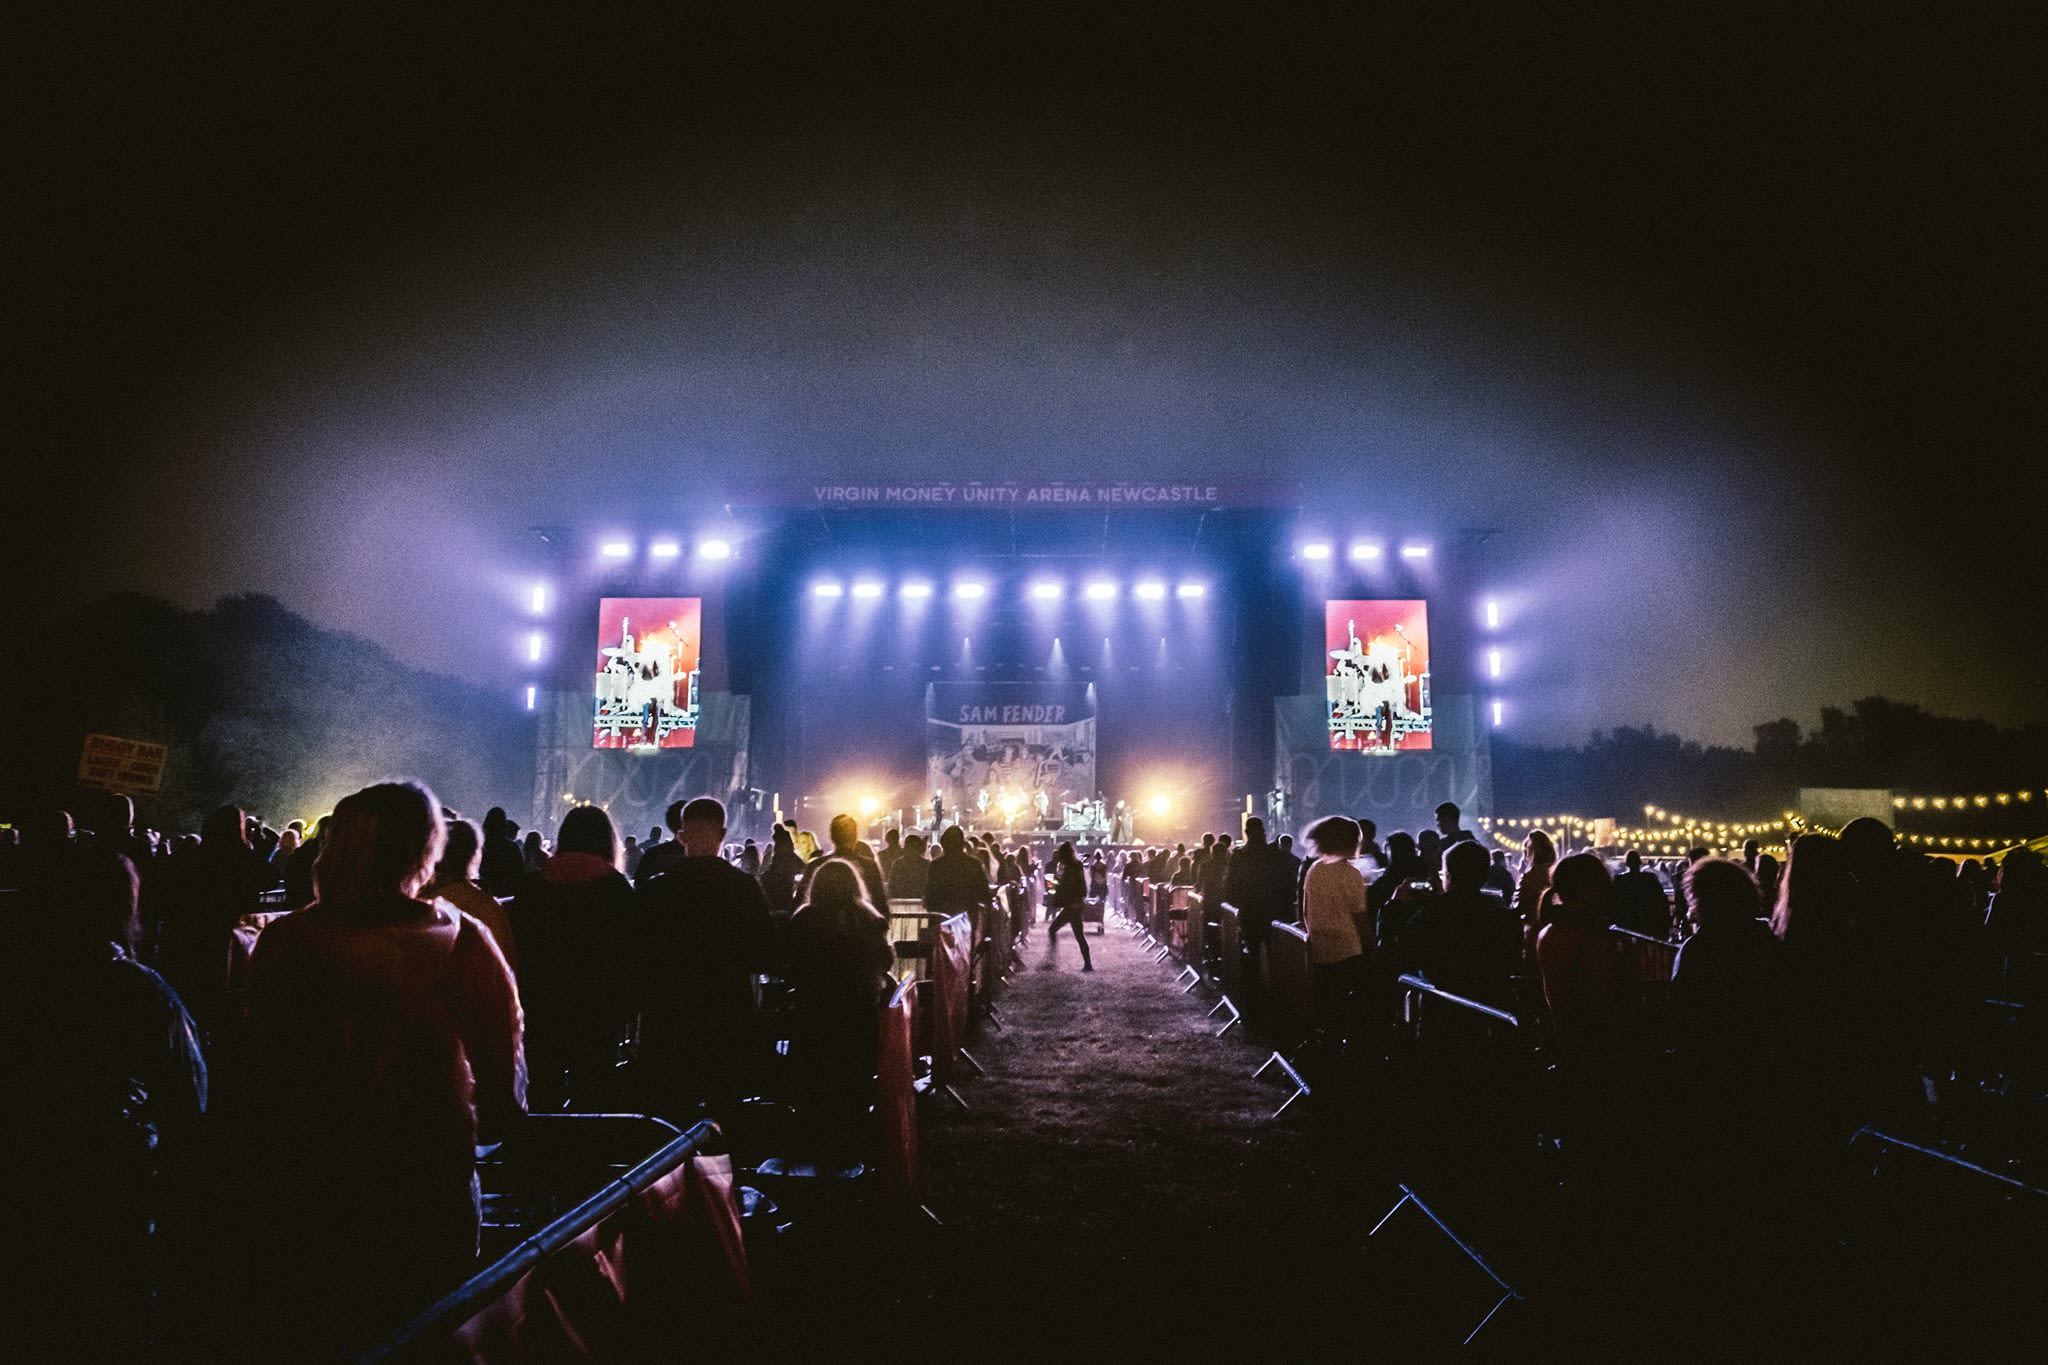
<point x="1016" y="652"/>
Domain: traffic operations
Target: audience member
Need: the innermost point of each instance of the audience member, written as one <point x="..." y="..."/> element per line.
<point x="1404" y="865"/>
<point x="1369" y="844"/>
<point x="666" y="854"/>
<point x="2017" y="920"/>
<point x="502" y="868"/>
<point x="956" y="883"/>
<point x="1639" y="901"/>
<point x="205" y="899"/>
<point x="784" y="870"/>
<point x="1539" y="856"/>
<point x="907" y="877"/>
<point x="1466" y="941"/>
<point x="386" y="1033"/>
<point x="1069" y="894"/>
<point x="1333" y="909"/>
<point x="1448" y="830"/>
<point x="1575" y="954"/>
<point x="104" y="1081"/>
<point x="298" y="868"/>
<point x="455" y="881"/>
<point x="1260" y="883"/>
<point x="839" y="957"/>
<point x="1499" y="880"/>
<point x="573" y="923"/>
<point x="1728" y="989"/>
<point x="705" y="932"/>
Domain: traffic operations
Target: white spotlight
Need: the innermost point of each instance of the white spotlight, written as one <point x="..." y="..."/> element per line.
<point x="1492" y="614"/>
<point x="1415" y="552"/>
<point x="1101" y="590"/>
<point x="1316" y="549"/>
<point x="971" y="591"/>
<point x="827" y="589"/>
<point x="533" y="647"/>
<point x="532" y="695"/>
<point x="919" y="590"/>
<point x="1189" y="590"/>
<point x="1045" y="592"/>
<point x="664" y="549"/>
<point x="1493" y="663"/>
<point x="867" y="589"/>
<point x="539" y="599"/>
<point x="714" y="549"/>
<point x="617" y="549"/>
<point x="1150" y="591"/>
<point x="1365" y="550"/>
<point x="1498" y="710"/>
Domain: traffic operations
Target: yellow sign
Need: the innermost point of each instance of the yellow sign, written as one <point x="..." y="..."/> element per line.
<point x="122" y="765"/>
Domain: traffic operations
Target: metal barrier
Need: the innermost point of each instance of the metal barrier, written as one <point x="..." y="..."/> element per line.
<point x="477" y="1292"/>
<point x="1415" y="986"/>
<point x="1448" y="1284"/>
<point x="2032" y="1196"/>
<point x="1645" y="959"/>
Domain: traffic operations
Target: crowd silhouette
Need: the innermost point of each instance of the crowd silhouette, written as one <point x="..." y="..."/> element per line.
<point x="308" y="1113"/>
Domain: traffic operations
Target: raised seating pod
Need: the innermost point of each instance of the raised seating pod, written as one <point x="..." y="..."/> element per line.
<point x="1466" y="1082"/>
<point x="912" y="931"/>
<point x="896" y="1094"/>
<point x="1944" y="1251"/>
<point x="649" y="1265"/>
<point x="1647" y="965"/>
<point x="993" y="953"/>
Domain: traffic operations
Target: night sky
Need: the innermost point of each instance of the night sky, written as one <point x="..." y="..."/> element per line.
<point x="1730" y="322"/>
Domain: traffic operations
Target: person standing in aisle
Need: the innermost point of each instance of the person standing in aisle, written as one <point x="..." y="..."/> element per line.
<point x="1069" y="895"/>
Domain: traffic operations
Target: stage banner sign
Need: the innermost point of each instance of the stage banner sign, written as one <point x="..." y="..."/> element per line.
<point x="121" y="765"/>
<point x="1005" y="496"/>
<point x="1011" y="754"/>
<point x="1049" y="495"/>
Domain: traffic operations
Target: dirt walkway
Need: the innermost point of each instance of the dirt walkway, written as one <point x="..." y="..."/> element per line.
<point x="1121" y="1171"/>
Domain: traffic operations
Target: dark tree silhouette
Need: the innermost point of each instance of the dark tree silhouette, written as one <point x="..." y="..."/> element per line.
<point x="257" y="705"/>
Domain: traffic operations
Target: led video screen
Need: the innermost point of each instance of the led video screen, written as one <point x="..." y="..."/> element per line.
<point x="1376" y="675"/>
<point x="647" y="672"/>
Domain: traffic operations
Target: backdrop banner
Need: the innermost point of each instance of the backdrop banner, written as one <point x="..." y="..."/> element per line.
<point x="1399" y="789"/>
<point x="1008" y="753"/>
